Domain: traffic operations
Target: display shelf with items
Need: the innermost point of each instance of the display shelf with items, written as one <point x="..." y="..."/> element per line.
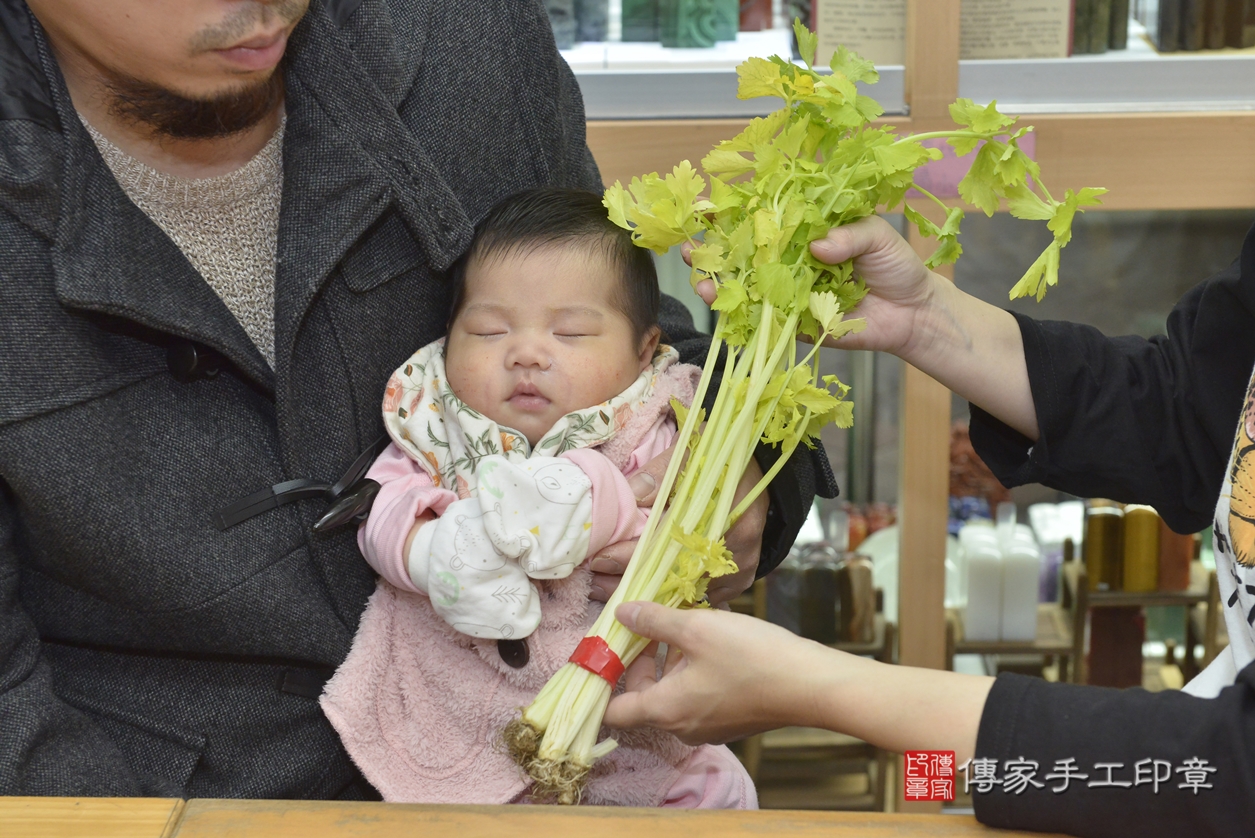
<point x="1115" y="631"/>
<point x="1173" y="25"/>
<point x="1113" y="561"/>
<point x="1126" y="270"/>
<point x="828" y="589"/>
<point x="648" y="80"/>
<point x="825" y="594"/>
<point x="1055" y="639"/>
<point x="1138" y="79"/>
<point x="1107" y="649"/>
<point x="1007" y="51"/>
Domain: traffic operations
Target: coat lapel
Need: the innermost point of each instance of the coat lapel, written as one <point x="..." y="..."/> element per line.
<point x="111" y="259"/>
<point x="114" y="260"/>
<point x="347" y="159"/>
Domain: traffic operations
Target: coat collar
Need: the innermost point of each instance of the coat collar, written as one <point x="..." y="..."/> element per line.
<point x="109" y="258"/>
<point x="348" y="158"/>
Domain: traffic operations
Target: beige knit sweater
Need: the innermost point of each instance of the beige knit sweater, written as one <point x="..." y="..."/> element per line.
<point x="226" y="226"/>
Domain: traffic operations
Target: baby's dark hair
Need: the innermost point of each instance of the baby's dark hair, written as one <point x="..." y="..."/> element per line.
<point x="536" y="218"/>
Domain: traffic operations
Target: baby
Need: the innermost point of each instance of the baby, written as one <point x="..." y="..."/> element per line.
<point x="512" y="443"/>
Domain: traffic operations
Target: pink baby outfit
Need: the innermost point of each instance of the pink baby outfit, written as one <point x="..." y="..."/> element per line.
<point x="420" y="706"/>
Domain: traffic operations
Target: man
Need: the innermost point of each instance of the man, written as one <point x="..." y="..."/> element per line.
<point x="222" y="225"/>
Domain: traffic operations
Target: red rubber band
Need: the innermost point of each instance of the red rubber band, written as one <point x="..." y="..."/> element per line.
<point x="595" y="655"/>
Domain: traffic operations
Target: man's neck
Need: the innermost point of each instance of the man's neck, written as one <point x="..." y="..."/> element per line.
<point x="187" y="158"/>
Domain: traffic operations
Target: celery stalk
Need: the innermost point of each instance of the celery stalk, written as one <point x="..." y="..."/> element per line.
<point x="815" y="164"/>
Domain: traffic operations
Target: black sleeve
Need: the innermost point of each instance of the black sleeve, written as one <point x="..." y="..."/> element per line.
<point x="805" y="475"/>
<point x="1030" y="725"/>
<point x="46" y="746"/>
<point x="1137" y="420"/>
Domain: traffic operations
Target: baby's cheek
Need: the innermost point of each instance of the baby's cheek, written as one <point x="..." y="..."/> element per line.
<point x="468" y="378"/>
<point x="596" y="376"/>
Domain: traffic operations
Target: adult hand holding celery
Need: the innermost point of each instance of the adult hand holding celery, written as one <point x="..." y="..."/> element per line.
<point x="783" y="182"/>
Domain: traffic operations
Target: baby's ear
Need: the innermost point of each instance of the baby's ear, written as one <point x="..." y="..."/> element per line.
<point x="649" y="343"/>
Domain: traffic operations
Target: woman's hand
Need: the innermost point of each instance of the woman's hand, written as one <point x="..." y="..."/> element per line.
<point x="971" y="347"/>
<point x="745" y="539"/>
<point x="899" y="288"/>
<point x="735" y="676"/>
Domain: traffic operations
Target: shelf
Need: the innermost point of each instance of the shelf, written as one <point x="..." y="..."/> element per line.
<point x="879" y="647"/>
<point x="650" y="81"/>
<point x="628" y="56"/>
<point x="1054" y="636"/>
<point x="1193" y="595"/>
<point x="1133" y="80"/>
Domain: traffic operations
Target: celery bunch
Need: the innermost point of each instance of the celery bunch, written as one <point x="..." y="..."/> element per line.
<point x="780" y="184"/>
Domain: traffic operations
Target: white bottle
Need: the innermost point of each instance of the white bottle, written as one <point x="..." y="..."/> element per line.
<point x="982" y="619"/>
<point x="1021" y="570"/>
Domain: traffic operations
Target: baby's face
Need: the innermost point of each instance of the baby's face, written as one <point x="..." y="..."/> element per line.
<point x="539" y="337"/>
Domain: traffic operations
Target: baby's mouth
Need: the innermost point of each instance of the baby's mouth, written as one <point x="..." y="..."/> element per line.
<point x="527" y="397"/>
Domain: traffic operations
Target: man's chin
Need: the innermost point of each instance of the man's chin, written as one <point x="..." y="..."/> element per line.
<point x="167" y="113"/>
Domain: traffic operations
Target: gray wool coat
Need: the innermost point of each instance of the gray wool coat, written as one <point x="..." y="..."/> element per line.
<point x="143" y="650"/>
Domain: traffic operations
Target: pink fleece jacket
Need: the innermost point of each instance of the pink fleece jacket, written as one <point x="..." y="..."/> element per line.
<point x="419" y="705"/>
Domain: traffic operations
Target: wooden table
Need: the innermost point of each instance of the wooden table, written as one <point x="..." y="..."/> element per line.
<point x="53" y="817"/>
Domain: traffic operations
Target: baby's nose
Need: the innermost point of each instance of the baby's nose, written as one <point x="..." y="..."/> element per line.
<point x="530" y="353"/>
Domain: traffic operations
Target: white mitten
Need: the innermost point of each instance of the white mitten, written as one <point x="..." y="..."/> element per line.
<point x="537" y="512"/>
<point x="473" y="586"/>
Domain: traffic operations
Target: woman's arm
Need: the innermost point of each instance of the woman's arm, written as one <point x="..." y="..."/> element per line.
<point x="1085" y="761"/>
<point x="970" y="346"/>
<point x="1134" y="419"/>
<point x="739" y="676"/>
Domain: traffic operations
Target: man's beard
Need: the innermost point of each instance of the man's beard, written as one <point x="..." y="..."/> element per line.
<point x="169" y="114"/>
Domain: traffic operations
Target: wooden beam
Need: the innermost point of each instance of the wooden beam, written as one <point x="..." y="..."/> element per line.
<point x="1178" y="161"/>
<point x="932" y="84"/>
<point x="923" y="513"/>
<point x="932" y="59"/>
<point x="1148" y="161"/>
<point x="628" y="148"/>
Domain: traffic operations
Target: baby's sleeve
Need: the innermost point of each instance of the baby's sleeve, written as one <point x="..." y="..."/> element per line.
<point x="406" y="491"/>
<point x="615" y="515"/>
